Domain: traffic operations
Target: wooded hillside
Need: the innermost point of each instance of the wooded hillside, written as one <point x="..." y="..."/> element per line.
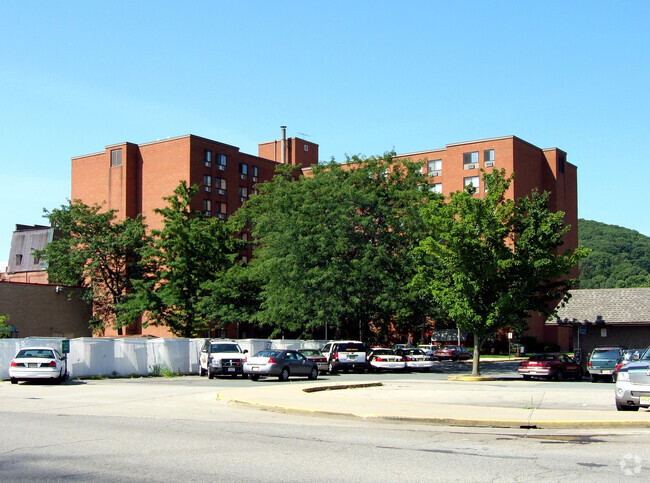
<point x="619" y="257"/>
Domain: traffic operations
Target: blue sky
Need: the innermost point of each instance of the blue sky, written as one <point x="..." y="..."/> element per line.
<point x="353" y="76"/>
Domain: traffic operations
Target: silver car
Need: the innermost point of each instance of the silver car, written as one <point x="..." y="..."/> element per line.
<point x="281" y="364"/>
<point x="633" y="385"/>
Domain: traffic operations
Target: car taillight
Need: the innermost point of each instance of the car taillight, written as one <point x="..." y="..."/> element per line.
<point x="589" y="364"/>
<point x="245" y="360"/>
<point x="321" y="359"/>
<point x="379" y="359"/>
<point x="336" y="356"/>
<point x="271" y="360"/>
<point x="13" y="364"/>
<point x="408" y="358"/>
<point x="52" y="364"/>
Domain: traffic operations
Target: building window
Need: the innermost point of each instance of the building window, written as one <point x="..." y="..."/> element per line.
<point x="207" y="182"/>
<point x="220" y="185"/>
<point x="435" y="188"/>
<point x="243" y="193"/>
<point x="207" y="158"/>
<point x="221" y="210"/>
<point x="254" y="191"/>
<point x="116" y="157"/>
<point x="19" y="259"/>
<point x="488" y="158"/>
<point x="255" y="172"/>
<point x="434" y="167"/>
<point x="221" y="162"/>
<point x="207" y="207"/>
<point x="470" y="160"/>
<point x="306" y="147"/>
<point x="243" y="171"/>
<point x="472" y="180"/>
<point x="560" y="163"/>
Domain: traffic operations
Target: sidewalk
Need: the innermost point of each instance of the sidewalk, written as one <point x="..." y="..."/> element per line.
<point x="517" y="404"/>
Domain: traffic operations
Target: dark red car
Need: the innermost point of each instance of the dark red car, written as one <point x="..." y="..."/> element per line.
<point x="452" y="353"/>
<point x="551" y="366"/>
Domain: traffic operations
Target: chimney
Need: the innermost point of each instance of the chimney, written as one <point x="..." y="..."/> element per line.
<point x="283" y="145"/>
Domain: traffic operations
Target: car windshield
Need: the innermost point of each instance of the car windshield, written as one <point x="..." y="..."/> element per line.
<point x="449" y="348"/>
<point x="310" y="352"/>
<point x="606" y="354"/>
<point x="224" y="348"/>
<point x="383" y="352"/>
<point x="351" y="348"/>
<point x="413" y="351"/>
<point x="268" y="354"/>
<point x="41" y="353"/>
<point x="542" y="357"/>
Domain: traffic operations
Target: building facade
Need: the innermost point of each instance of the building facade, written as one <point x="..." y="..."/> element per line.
<point x="24" y="266"/>
<point x="133" y="179"/>
<point x="452" y="168"/>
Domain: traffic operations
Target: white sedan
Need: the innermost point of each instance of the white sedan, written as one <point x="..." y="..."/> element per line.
<point x="38" y="363"/>
<point x="416" y="359"/>
<point x="381" y="359"/>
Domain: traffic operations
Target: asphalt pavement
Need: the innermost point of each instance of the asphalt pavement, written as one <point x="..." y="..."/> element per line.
<point x="458" y="400"/>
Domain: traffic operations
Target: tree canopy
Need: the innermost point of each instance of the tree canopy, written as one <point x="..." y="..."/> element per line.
<point x="92" y="249"/>
<point x="190" y="250"/>
<point x="492" y="261"/>
<point x="334" y="249"/>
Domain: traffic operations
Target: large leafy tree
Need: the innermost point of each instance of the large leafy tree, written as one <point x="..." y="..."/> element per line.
<point x="92" y="249"/>
<point x="493" y="260"/>
<point x="334" y="248"/>
<point x="189" y="251"/>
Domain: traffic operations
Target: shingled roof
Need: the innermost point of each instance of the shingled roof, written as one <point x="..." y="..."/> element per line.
<point x="611" y="306"/>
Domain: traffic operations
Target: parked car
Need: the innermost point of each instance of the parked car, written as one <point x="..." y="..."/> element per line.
<point x="633" y="385"/>
<point x="316" y="356"/>
<point x="629" y="355"/>
<point x="381" y="359"/>
<point x="281" y="364"/>
<point x="602" y="362"/>
<point x="221" y="357"/>
<point x="345" y="355"/>
<point x="452" y="353"/>
<point x="416" y="359"/>
<point x="550" y="366"/>
<point x="38" y="363"/>
<point x="429" y="349"/>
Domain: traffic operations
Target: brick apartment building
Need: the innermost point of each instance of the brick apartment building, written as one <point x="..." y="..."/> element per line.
<point x="134" y="178"/>
<point x="457" y="165"/>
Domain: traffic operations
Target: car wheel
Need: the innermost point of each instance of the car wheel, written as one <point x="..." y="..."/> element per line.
<point x="201" y="370"/>
<point x="313" y="374"/>
<point x="14" y="380"/>
<point x="63" y="377"/>
<point x="244" y="375"/>
<point x="527" y="378"/>
<point x="559" y="376"/>
<point x="593" y="378"/>
<point x="623" y="407"/>
<point x="454" y="359"/>
<point x="210" y="374"/>
<point x="255" y="377"/>
<point x="284" y="375"/>
<point x="332" y="369"/>
<point x="579" y="375"/>
<point x="426" y="369"/>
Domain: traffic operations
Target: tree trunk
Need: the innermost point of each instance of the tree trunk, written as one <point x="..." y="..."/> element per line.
<point x="477" y="355"/>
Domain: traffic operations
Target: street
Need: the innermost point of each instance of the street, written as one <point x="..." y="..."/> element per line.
<point x="174" y="429"/>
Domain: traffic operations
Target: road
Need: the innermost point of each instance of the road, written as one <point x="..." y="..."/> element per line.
<point x="173" y="429"/>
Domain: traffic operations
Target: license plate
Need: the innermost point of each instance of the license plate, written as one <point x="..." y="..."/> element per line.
<point x="352" y="356"/>
<point x="644" y="400"/>
<point x="231" y="369"/>
<point x="32" y="364"/>
<point x="255" y="368"/>
<point x="606" y="371"/>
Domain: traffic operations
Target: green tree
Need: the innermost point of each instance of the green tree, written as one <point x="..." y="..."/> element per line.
<point x="334" y="248"/>
<point x="5" y="328"/>
<point x="91" y="249"/>
<point x="189" y="251"/>
<point x="494" y="260"/>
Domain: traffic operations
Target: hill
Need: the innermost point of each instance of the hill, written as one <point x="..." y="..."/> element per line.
<point x="619" y="257"/>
